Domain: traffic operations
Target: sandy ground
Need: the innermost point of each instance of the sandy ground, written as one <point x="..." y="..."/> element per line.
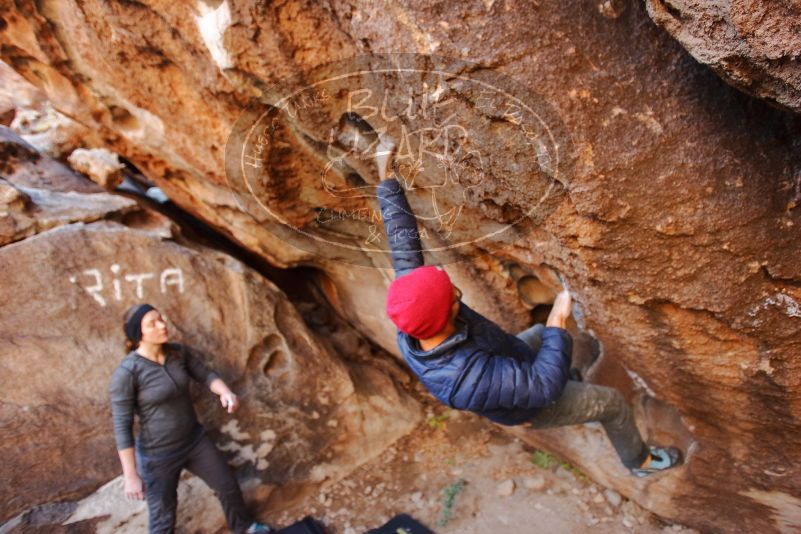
<point x="457" y="473"/>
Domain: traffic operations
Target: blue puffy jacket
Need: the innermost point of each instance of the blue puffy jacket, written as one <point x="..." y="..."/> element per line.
<point x="480" y="367"/>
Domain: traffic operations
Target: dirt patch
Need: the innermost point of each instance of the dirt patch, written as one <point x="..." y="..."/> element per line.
<point x="459" y="473"/>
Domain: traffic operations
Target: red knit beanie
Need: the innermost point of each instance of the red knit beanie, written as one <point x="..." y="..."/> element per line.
<point x="419" y="303"/>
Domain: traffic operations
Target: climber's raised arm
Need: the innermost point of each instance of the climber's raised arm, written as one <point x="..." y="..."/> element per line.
<point x="400" y="225"/>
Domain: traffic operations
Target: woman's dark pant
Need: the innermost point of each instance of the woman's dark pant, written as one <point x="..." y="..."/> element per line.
<point x="160" y="475"/>
<point x="582" y="403"/>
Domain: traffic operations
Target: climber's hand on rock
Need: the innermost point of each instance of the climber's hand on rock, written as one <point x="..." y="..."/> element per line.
<point x="385" y="157"/>
<point x="134" y="489"/>
<point x="561" y="310"/>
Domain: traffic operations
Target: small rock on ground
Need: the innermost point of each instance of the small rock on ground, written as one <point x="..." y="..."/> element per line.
<point x="506" y="488"/>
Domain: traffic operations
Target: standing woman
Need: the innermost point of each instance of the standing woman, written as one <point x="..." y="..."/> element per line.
<point x="152" y="381"/>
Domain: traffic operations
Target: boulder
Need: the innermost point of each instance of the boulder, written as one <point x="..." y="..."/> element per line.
<point x="99" y="165"/>
<point x="755" y="45"/>
<point x="671" y="213"/>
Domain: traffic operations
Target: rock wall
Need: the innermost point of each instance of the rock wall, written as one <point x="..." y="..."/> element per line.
<point x="753" y="44"/>
<point x="676" y="227"/>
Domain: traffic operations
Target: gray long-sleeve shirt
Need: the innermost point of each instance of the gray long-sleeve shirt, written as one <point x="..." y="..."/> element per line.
<point x="159" y="395"/>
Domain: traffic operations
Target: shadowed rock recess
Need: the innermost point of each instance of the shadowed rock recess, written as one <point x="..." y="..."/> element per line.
<point x="753" y="44"/>
<point x="676" y="228"/>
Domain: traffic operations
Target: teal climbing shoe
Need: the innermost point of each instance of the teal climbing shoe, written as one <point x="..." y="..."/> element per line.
<point x="258" y="528"/>
<point x="661" y="458"/>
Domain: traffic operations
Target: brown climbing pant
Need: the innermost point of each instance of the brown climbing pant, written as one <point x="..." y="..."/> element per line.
<point x="583" y="403"/>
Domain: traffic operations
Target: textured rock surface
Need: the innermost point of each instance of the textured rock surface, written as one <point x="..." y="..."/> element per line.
<point x="753" y="44"/>
<point x="25" y="108"/>
<point x="99" y="165"/>
<point x="32" y="203"/>
<point x="16" y="93"/>
<point x="307" y="416"/>
<point x="678" y="231"/>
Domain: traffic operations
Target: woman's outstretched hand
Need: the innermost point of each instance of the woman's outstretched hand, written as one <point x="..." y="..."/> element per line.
<point x="230" y="401"/>
<point x="134" y="489"/>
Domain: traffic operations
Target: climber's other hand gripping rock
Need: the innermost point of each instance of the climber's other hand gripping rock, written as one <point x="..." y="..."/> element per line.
<point x="560" y="310"/>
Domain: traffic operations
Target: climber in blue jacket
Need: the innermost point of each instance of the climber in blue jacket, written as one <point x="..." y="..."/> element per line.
<point x="469" y="363"/>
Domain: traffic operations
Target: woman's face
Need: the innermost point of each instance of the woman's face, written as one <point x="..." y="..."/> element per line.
<point x="154" y="328"/>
